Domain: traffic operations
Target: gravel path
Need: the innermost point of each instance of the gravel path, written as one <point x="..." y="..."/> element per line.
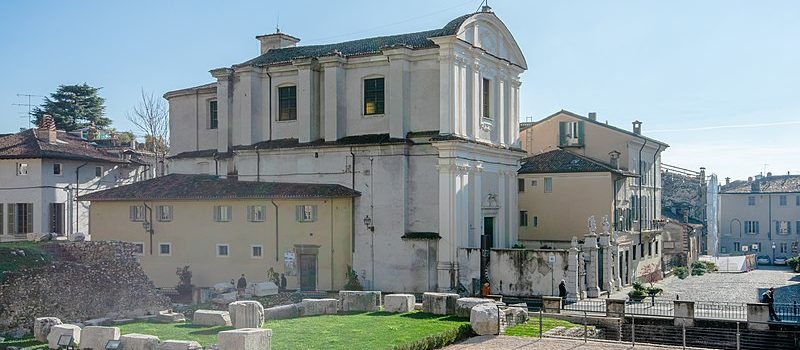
<point x="508" y="342"/>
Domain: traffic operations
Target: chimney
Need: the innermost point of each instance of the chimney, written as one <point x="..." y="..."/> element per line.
<point x="593" y="116"/>
<point x="47" y="129"/>
<point x="749" y="179"/>
<point x="486" y="8"/>
<point x="727" y="181"/>
<point x="769" y="174"/>
<point x="637" y="127"/>
<point x="276" y="40"/>
<point x="614" y="157"/>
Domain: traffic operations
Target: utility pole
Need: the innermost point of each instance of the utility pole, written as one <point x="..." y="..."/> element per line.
<point x="29" y="105"/>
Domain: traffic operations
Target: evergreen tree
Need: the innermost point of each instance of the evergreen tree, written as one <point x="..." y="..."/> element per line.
<point x="74" y="107"/>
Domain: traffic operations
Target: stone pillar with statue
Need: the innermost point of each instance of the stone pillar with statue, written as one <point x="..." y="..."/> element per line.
<point x="591" y="257"/>
<point x="608" y="250"/>
<point x="572" y="270"/>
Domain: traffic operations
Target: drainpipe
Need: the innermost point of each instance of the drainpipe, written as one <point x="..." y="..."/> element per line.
<point x="276" y="228"/>
<point x="216" y="165"/>
<point x="655" y="156"/>
<point x="269" y="76"/>
<point x="332" y="251"/>
<point x="77" y="203"/>
<point x="353" y="201"/>
<point x="640" y="190"/>
<point x="258" y="164"/>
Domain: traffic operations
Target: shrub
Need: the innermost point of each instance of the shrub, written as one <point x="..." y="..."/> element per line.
<point x="654" y="291"/>
<point x="352" y="280"/>
<point x="709" y="266"/>
<point x="274" y="277"/>
<point x="518" y="246"/>
<point x="699" y="268"/>
<point x="681" y="271"/>
<point x="438" y="340"/>
<point x="794" y="263"/>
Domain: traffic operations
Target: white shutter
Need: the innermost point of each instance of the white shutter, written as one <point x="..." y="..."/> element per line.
<point x="250" y="214"/>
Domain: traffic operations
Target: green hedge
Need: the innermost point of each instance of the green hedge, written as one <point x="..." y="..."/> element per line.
<point x="438" y="340"/>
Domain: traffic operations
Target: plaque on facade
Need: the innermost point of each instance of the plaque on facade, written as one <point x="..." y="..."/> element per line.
<point x="289" y="266"/>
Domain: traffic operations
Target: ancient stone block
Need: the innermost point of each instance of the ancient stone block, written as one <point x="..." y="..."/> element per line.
<point x="264" y="288"/>
<point x="170" y="317"/>
<point x="136" y="341"/>
<point x="282" y="312"/>
<point x="226" y="298"/>
<point x="179" y="345"/>
<point x="223" y="287"/>
<point x="485" y="319"/>
<point x="58" y="330"/>
<point x="245" y="339"/>
<point x="398" y="303"/>
<point x="314" y="307"/>
<point x="359" y="300"/>
<point x="515" y="315"/>
<point x="464" y="305"/>
<point x="41" y="327"/>
<point x="246" y="314"/>
<point x="211" y="318"/>
<point x="96" y="337"/>
<point x="439" y="303"/>
<point x="98" y="322"/>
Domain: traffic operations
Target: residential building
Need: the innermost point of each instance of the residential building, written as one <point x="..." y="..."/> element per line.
<point x="223" y="228"/>
<point x="43" y="170"/>
<point x="580" y="168"/>
<point x="681" y="239"/>
<point x="424" y="125"/>
<point x="760" y="216"/>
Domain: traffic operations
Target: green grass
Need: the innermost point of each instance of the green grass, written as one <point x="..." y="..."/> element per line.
<point x="376" y="330"/>
<point x="531" y="328"/>
<point x="34" y="256"/>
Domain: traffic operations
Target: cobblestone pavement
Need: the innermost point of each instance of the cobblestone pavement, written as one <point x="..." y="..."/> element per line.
<point x="507" y="342"/>
<point x="743" y="287"/>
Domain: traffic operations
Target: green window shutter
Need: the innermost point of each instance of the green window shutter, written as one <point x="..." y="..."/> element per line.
<point x="777" y="226"/>
<point x="3" y="218"/>
<point x="12" y="225"/>
<point x="216" y="213"/>
<point x="580" y="133"/>
<point x="29" y="219"/>
<point x="562" y="133"/>
<point x="298" y="213"/>
<point x="250" y="209"/>
<point x="314" y="213"/>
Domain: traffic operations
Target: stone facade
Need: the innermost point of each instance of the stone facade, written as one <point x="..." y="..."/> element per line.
<point x="83" y="268"/>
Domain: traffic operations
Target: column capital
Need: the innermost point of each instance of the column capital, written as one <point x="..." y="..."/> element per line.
<point x="221" y="73"/>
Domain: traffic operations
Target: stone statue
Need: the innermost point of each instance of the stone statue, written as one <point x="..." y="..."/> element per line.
<point x="592" y="225"/>
<point x="606" y="224"/>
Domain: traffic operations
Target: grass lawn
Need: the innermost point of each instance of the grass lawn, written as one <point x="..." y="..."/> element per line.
<point x="34" y="256"/>
<point x="376" y="330"/>
<point x="531" y="328"/>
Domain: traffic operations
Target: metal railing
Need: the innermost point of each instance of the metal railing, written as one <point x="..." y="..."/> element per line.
<point x="585" y="305"/>
<point x="720" y="310"/>
<point x="788" y="312"/>
<point x="650" y="307"/>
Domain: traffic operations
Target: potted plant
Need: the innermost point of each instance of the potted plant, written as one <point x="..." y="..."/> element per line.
<point x="638" y="293"/>
<point x="794" y="263"/>
<point x="185" y="287"/>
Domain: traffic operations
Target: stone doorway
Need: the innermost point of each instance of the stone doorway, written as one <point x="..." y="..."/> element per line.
<point x="307" y="266"/>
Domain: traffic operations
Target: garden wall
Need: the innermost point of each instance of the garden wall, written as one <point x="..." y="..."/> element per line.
<point x="85" y="280"/>
<point x="516" y="272"/>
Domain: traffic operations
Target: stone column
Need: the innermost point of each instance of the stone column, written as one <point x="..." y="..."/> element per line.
<point x="572" y="270"/>
<point x="335" y="111"/>
<point x="477" y="200"/>
<point x="590" y="250"/>
<point x="513" y="204"/>
<point x="224" y="99"/>
<point x="499" y="104"/>
<point x="476" y="99"/>
<point x="608" y="262"/>
<point x="446" y="90"/>
<point x="617" y="258"/>
<point x="502" y="212"/>
<point x="463" y="201"/>
<point x="447" y="253"/>
<point x="684" y="313"/>
<point x="399" y="99"/>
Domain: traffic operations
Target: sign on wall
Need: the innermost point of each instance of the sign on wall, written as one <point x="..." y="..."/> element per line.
<point x="289" y="265"/>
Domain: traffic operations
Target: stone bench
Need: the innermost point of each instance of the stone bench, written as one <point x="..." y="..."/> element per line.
<point x="246" y="314"/>
<point x="439" y="303"/>
<point x="96" y="337"/>
<point x="314" y="307"/>
<point x="398" y="303"/>
<point x="244" y="339"/>
<point x="211" y="318"/>
<point x="281" y="312"/>
<point x="464" y="305"/>
<point x="135" y="341"/>
<point x="56" y="331"/>
<point x="359" y="300"/>
<point x="42" y="326"/>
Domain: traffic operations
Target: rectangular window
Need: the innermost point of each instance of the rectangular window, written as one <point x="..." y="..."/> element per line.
<point x="783" y="199"/>
<point x="751" y="200"/>
<point x="373" y="96"/>
<point x="213" y="118"/>
<point x="535" y="221"/>
<point x="649" y="248"/>
<point x="222" y="213"/>
<point x="656" y="252"/>
<point x="306" y="213"/>
<point x="737" y="246"/>
<point x="57" y="169"/>
<point x="138" y="248"/>
<point x="164" y="213"/>
<point x="22" y="169"/>
<point x="256" y="251"/>
<point x="797" y="200"/>
<point x="137" y="213"/>
<point x="521" y="185"/>
<point x="223" y="250"/>
<point x="796" y="228"/>
<point x="287" y="103"/>
<point x="751" y="227"/>
<point x="570" y="133"/>
<point x="548" y="185"/>
<point x="523" y="218"/>
<point x="534" y="183"/>
<point x="165" y="249"/>
<point x="98" y="171"/>
<point x="633" y="249"/>
<point x="57" y="218"/>
<point x="20" y="218"/>
<point x="784" y="247"/>
<point x="486" y="98"/>
<point x="641" y="250"/>
<point x="783" y="227"/>
<point x="256" y="213"/>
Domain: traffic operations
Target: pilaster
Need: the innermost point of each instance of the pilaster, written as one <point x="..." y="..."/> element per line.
<point x="399" y="101"/>
<point x="448" y="244"/>
<point x="335" y="112"/>
<point x="307" y="98"/>
<point x="572" y="270"/>
<point x="224" y="78"/>
<point x="590" y="249"/>
<point x="477" y="200"/>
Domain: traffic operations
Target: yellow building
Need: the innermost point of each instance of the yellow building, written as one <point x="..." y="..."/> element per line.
<point x="223" y="228"/>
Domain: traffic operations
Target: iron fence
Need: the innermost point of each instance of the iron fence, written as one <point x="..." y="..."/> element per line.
<point x="788" y="312"/>
<point x="585" y="305"/>
<point x="650" y="307"/>
<point x="720" y="310"/>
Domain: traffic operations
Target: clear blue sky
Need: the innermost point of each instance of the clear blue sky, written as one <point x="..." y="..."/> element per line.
<point x="717" y="80"/>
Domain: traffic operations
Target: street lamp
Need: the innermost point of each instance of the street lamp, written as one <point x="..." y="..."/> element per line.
<point x="368" y="223"/>
<point x="773" y="251"/>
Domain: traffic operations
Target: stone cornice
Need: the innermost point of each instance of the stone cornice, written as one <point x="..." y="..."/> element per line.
<point x="221" y="73"/>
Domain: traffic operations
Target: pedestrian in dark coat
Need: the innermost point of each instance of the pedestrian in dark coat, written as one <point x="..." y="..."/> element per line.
<point x="769" y="298"/>
<point x="241" y="285"/>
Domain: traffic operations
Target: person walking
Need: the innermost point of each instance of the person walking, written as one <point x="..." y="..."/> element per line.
<point x="769" y="298"/>
<point x="241" y="285"/>
<point x="562" y="292"/>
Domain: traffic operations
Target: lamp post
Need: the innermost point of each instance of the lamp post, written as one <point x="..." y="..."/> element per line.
<point x="773" y="251"/>
<point x="368" y="223"/>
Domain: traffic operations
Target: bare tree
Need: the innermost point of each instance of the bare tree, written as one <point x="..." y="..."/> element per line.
<point x="150" y="116"/>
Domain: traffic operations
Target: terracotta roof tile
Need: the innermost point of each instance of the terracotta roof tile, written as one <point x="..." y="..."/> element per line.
<point x="28" y="145"/>
<point x="561" y="161"/>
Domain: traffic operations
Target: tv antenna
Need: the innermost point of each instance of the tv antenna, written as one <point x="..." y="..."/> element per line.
<point x="29" y="105"/>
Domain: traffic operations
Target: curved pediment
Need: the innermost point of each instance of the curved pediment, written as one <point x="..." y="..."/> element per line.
<point x="486" y="31"/>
